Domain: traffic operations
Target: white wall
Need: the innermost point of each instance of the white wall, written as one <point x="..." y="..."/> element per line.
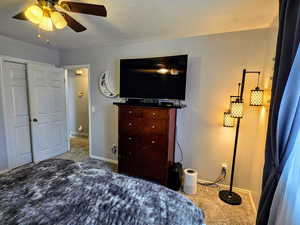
<point x="19" y="49"/>
<point x="214" y="69"/>
<point x="78" y="106"/>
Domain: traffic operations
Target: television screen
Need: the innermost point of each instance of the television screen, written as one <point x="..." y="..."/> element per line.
<point x="154" y="78"/>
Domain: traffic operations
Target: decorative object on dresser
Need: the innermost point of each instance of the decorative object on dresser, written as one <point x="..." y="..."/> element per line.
<point x="146" y="141"/>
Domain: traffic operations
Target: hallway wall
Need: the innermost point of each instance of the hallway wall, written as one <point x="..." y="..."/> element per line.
<point x="78" y="106"/>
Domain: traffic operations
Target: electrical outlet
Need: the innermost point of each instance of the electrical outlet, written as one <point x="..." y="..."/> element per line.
<point x="114" y="148"/>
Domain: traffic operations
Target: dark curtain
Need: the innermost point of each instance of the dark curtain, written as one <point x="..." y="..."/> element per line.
<point x="276" y="152"/>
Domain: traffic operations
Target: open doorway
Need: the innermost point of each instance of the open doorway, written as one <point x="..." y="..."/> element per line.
<point x="77" y="89"/>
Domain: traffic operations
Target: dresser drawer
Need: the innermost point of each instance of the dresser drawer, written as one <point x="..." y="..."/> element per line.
<point x="137" y="126"/>
<point x="143" y="163"/>
<point x="152" y="147"/>
<point x="130" y="113"/>
<point x="149" y="170"/>
<point x="131" y="126"/>
<point x="123" y="163"/>
<point x="156" y="114"/>
<point x="154" y="143"/>
<point x="155" y="127"/>
<point x="150" y="156"/>
<point x="129" y="144"/>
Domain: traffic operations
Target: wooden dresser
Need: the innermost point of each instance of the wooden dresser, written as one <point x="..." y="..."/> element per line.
<point x="146" y="141"/>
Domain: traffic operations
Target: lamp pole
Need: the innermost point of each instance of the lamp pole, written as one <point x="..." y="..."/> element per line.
<point x="229" y="196"/>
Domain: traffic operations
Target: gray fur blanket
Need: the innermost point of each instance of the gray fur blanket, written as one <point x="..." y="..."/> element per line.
<point x="62" y="192"/>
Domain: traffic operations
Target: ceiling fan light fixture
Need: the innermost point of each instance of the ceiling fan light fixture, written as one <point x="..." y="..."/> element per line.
<point x="44" y="11"/>
<point x="34" y="14"/>
<point x="58" y="20"/>
<point x="46" y="23"/>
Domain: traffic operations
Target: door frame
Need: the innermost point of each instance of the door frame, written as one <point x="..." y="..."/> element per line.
<point x="71" y="67"/>
<point x="3" y="58"/>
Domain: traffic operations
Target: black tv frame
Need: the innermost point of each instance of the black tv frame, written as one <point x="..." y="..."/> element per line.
<point x="156" y="98"/>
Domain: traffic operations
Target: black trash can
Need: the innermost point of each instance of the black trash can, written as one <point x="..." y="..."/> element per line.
<point x="175" y="176"/>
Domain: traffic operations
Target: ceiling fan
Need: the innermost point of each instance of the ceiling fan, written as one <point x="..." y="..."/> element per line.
<point x="45" y="14"/>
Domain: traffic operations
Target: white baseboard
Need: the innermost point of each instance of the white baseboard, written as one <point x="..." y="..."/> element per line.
<point x="226" y="186"/>
<point x="104" y="159"/>
<point x="252" y="203"/>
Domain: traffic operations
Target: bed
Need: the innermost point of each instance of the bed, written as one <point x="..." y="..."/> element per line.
<point x="63" y="192"/>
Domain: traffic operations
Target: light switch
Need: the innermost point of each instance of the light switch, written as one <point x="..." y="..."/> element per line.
<point x="93" y="109"/>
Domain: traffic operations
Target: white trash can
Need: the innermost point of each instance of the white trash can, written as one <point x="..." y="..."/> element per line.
<point x="190" y="181"/>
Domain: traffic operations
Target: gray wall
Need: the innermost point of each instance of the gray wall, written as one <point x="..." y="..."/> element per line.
<point x="259" y="156"/>
<point x="78" y="106"/>
<point x="23" y="50"/>
<point x="19" y="49"/>
<point x="214" y="70"/>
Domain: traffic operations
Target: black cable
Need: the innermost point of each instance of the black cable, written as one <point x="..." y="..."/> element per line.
<point x="177" y="142"/>
<point x="180" y="150"/>
<point x="221" y="178"/>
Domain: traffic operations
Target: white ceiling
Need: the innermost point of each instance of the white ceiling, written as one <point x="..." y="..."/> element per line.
<point x="130" y="20"/>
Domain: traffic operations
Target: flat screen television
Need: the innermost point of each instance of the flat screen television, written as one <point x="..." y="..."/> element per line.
<point x="154" y="78"/>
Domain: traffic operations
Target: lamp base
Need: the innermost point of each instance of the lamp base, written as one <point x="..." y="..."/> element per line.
<point x="230" y="197"/>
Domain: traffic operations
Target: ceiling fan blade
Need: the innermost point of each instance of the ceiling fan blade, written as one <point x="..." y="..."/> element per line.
<point x="20" y="16"/>
<point x="72" y="23"/>
<point x="91" y="9"/>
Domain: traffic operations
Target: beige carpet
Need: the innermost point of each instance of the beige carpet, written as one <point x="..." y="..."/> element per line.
<point x="216" y="211"/>
<point x="79" y="150"/>
<point x="219" y="213"/>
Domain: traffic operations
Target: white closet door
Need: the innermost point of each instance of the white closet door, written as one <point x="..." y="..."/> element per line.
<point x="17" y="114"/>
<point x="48" y="111"/>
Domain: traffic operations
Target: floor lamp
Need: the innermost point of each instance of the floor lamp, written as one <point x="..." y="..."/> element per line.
<point x="236" y="112"/>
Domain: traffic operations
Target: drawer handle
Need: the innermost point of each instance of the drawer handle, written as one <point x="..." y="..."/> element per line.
<point x="153" y="114"/>
<point x="130" y="112"/>
<point x="153" y="142"/>
<point x="153" y="126"/>
<point x="130" y="124"/>
<point x="130" y="138"/>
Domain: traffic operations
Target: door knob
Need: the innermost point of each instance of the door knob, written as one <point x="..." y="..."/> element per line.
<point x="35" y="120"/>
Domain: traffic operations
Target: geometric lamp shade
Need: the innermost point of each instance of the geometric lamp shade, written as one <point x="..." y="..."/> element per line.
<point x="237" y="108"/>
<point x="228" y="121"/>
<point x="257" y="97"/>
